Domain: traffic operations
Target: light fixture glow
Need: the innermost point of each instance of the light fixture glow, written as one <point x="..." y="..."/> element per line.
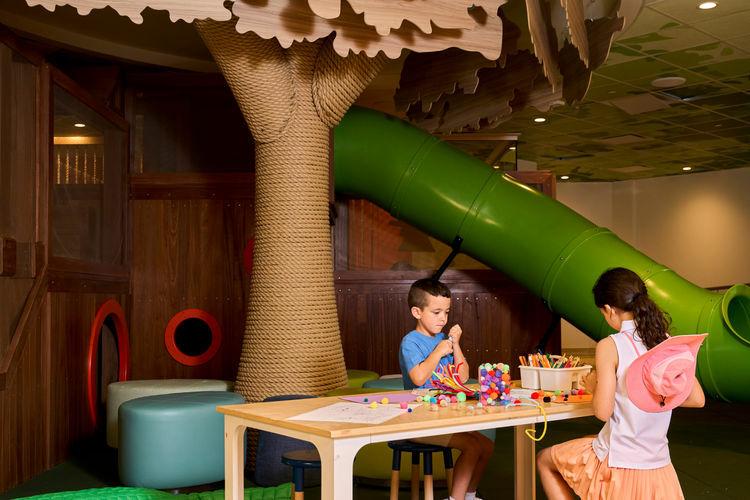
<point x="706" y="5"/>
<point x="512" y="148"/>
<point x="79" y="125"/>
<point x="495" y="166"/>
<point x="687" y="168"/>
<point x="540" y="119"/>
<point x="564" y="177"/>
<point x="668" y="81"/>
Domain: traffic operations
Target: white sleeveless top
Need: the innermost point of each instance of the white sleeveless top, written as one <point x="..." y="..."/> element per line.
<point x="633" y="438"/>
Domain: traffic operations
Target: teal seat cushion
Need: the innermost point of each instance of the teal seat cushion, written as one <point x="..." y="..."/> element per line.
<point x="391" y="384"/>
<point x="173" y="440"/>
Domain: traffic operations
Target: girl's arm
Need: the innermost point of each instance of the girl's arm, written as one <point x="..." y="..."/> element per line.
<point x="696" y="398"/>
<point x="606" y="379"/>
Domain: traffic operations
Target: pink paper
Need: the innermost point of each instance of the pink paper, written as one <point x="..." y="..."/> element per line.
<point x="376" y="398"/>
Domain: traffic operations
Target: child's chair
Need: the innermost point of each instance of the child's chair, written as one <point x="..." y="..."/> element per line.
<point x="275" y="451"/>
<point x="299" y="460"/>
<point x="416" y="449"/>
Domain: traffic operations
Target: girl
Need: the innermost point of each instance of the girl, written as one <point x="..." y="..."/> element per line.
<point x="630" y="457"/>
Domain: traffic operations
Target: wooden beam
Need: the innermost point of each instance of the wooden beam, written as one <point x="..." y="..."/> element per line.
<point x="30" y="310"/>
<point x="500" y="149"/>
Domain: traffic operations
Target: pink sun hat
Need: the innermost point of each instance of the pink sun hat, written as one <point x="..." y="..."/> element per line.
<point x="662" y="378"/>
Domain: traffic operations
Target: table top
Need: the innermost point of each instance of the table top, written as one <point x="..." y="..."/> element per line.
<point x="457" y="414"/>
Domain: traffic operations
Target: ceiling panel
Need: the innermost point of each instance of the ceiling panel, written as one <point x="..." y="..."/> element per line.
<point x="626" y="128"/>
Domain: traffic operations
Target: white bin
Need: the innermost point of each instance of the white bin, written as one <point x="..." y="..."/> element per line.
<point x="552" y="379"/>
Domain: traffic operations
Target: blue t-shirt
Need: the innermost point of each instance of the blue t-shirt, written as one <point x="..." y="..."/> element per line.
<point x="415" y="347"/>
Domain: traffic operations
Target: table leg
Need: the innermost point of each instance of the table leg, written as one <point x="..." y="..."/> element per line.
<point x="336" y="462"/>
<point x="234" y="460"/>
<point x="525" y="463"/>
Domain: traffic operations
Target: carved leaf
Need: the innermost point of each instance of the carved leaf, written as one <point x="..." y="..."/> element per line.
<point x="577" y="27"/>
<point x="426" y="77"/>
<point x="386" y="15"/>
<point x="293" y="20"/>
<point x="576" y="74"/>
<point x="186" y="10"/>
<point x="490" y="103"/>
<point x="327" y="9"/>
<point x="543" y="39"/>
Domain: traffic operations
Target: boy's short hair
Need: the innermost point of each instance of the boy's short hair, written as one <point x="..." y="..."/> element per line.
<point x="421" y="288"/>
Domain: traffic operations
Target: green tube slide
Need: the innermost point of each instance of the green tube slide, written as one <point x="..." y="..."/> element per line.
<point x="543" y="245"/>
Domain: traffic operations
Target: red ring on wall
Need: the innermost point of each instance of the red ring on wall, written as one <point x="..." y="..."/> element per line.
<point x="171" y="329"/>
<point x="247" y="255"/>
<point x="109" y="308"/>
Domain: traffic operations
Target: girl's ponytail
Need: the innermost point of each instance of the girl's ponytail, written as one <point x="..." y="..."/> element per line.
<point x="651" y="322"/>
<point x="622" y="288"/>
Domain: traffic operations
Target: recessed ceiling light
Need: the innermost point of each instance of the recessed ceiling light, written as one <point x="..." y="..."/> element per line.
<point x="512" y="148"/>
<point x="706" y="5"/>
<point x="79" y="125"/>
<point x="540" y="119"/>
<point x="565" y="177"/>
<point x="687" y="168"/>
<point x="668" y="81"/>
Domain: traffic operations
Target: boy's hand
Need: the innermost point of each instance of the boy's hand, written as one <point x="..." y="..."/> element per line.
<point x="455" y="333"/>
<point x="444" y="347"/>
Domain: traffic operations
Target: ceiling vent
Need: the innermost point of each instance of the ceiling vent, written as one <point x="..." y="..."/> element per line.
<point x="641" y="103"/>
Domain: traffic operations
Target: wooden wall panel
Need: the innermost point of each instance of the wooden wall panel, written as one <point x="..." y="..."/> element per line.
<point x="188" y="254"/>
<point x="23" y="410"/>
<point x="500" y="320"/>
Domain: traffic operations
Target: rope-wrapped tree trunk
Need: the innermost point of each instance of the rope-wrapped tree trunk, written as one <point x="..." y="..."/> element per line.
<point x="290" y="99"/>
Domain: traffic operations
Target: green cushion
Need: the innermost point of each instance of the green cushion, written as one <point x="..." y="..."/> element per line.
<point x="281" y="492"/>
<point x="359" y="377"/>
<point x="173" y="440"/>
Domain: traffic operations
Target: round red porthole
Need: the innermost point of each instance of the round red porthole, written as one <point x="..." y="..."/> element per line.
<point x="109" y="311"/>
<point x="192" y="337"/>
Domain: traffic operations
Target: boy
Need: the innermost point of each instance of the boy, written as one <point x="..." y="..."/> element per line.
<point x="422" y="351"/>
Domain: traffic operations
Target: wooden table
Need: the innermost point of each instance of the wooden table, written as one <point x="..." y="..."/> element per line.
<point x="338" y="442"/>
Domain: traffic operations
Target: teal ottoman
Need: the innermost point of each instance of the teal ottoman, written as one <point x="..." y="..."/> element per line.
<point x="172" y="441"/>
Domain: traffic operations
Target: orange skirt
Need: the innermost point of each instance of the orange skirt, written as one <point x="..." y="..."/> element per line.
<point x="595" y="480"/>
